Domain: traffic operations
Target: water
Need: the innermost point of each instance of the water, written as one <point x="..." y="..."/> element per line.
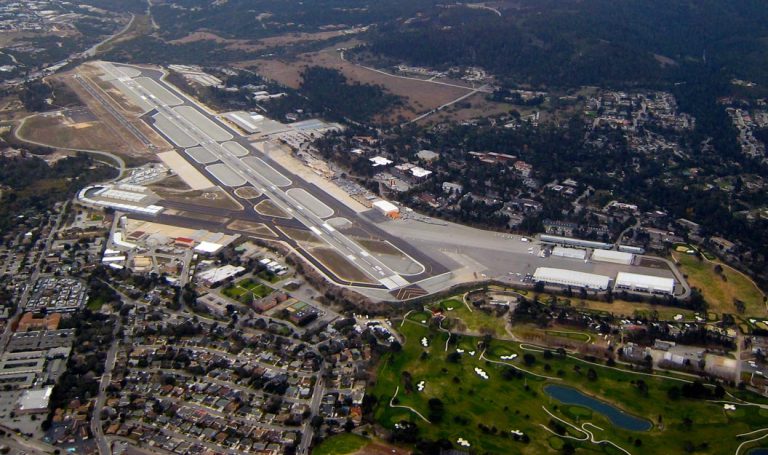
<point x="758" y="451"/>
<point x="616" y="416"/>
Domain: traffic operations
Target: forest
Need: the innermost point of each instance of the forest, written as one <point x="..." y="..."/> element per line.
<point x="329" y="91"/>
<point x="32" y="186"/>
<point x="569" y="43"/>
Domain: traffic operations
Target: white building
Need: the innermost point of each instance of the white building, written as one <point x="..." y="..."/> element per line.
<point x="615" y="257"/>
<point x="217" y="275"/>
<point x="387" y="208"/>
<point x="645" y="283"/>
<point x="572" y="253"/>
<point x="35" y="401"/>
<point x="571" y="278"/>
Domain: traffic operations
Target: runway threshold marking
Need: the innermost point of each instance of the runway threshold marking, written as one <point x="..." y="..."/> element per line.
<point x="409" y="292"/>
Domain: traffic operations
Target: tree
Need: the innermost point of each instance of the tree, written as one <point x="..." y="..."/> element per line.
<point x="436" y="410"/>
<point x="592" y="374"/>
<point x="529" y="359"/>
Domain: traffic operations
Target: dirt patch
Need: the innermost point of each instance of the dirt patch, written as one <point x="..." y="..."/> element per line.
<point x="339" y="265"/>
<point x="210" y="197"/>
<point x="379" y="448"/>
<point x="268" y="208"/>
<point x="257" y="229"/>
<point x="301" y="235"/>
<point x="56" y="130"/>
<point x="653" y="263"/>
<point x="247" y="192"/>
<point x="379" y="246"/>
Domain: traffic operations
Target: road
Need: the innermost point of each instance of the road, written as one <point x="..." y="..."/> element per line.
<point x="106" y="378"/>
<point x="308" y="432"/>
<point x="93" y="50"/>
<point x="342" y="244"/>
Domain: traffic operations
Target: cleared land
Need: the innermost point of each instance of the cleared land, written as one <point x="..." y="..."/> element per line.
<point x="339" y="265"/>
<point x="301" y="235"/>
<point x="341" y="444"/>
<point x="248" y="192"/>
<point x="508" y="401"/>
<point x="211" y="197"/>
<point x="191" y="176"/>
<point x="722" y="290"/>
<point x="57" y="130"/>
<point x="268" y="208"/>
<point x="257" y="229"/>
<point x="475" y="321"/>
<point x="418" y="96"/>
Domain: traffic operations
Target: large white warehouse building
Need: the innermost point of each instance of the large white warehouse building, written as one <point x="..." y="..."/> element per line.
<point x="573" y="253"/>
<point x="616" y="257"/>
<point x="645" y="283"/>
<point x="571" y="278"/>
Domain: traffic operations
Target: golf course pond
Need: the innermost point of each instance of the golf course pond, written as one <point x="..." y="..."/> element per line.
<point x="619" y="418"/>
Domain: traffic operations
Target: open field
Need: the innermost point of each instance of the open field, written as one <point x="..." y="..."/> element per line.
<point x="129" y="111"/>
<point x="257" y="229"/>
<point x="57" y="130"/>
<point x="247" y="192"/>
<point x="475" y="321"/>
<point x="268" y="208"/>
<point x="622" y="308"/>
<point x="210" y="197"/>
<point x="301" y="235"/>
<point x="418" y="96"/>
<point x="341" y="444"/>
<point x="339" y="265"/>
<point x="507" y="401"/>
<point x="721" y="290"/>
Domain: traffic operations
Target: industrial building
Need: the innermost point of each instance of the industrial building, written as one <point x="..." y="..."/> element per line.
<point x="565" y="277"/>
<point x="569" y="241"/>
<point x="632" y="249"/>
<point x="645" y="283"/>
<point x="212" y="277"/>
<point x="387" y="208"/>
<point x="615" y="257"/>
<point x="572" y="253"/>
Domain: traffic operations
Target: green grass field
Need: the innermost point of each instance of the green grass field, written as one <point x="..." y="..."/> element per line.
<point x="719" y="292"/>
<point x="473" y="321"/>
<point x="341" y="444"/>
<point x="246" y="290"/>
<point x="504" y="403"/>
